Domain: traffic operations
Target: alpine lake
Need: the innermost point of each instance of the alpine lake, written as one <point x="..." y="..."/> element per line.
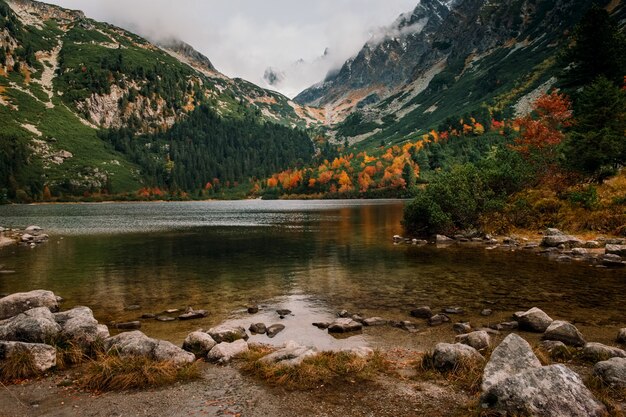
<point x="314" y="258"/>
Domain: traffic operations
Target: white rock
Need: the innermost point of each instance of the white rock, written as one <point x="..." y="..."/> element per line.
<point x="225" y="352"/>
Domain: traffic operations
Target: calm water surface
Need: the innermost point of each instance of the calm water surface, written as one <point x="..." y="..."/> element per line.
<point x="313" y="257"/>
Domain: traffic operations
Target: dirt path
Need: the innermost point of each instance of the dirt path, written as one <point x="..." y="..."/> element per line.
<point x="224" y="391"/>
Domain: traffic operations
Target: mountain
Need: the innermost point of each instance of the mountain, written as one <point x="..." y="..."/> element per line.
<point x="65" y="79"/>
<point x="448" y="59"/>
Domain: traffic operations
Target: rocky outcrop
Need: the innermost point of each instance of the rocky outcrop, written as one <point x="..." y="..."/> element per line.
<point x="612" y="372"/>
<point x="447" y="356"/>
<point x="565" y="332"/>
<point x="14" y="304"/>
<point x="136" y="343"/>
<point x="226" y="333"/>
<point x="512" y="356"/>
<point x="198" y="343"/>
<point x="291" y="354"/>
<point x="544" y="391"/>
<point x="225" y="352"/>
<point x="44" y="356"/>
<point x="33" y="326"/>
<point x="534" y="320"/>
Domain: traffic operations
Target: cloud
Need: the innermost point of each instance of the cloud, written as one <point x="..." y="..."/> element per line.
<point x="243" y="38"/>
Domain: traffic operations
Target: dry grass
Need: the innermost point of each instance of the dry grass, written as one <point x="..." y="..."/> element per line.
<point x="19" y="365"/>
<point x="326" y="368"/>
<point x="466" y="375"/>
<point x="608" y="395"/>
<point x="115" y="373"/>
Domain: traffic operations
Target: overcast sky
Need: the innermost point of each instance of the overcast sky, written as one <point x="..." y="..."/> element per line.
<point x="245" y="37"/>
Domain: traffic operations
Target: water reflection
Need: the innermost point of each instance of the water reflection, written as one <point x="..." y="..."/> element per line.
<point x="314" y="258"/>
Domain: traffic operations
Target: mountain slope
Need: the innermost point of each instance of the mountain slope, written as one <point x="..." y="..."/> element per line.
<point x="64" y="78"/>
<point x="473" y="57"/>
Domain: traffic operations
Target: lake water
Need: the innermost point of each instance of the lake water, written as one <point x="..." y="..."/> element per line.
<point x="314" y="258"/>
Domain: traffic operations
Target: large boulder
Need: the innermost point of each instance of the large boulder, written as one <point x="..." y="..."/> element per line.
<point x="14" y="304"/>
<point x="79" y="325"/>
<point x="612" y="372"/>
<point x="479" y="340"/>
<point x="291" y="354"/>
<point x="564" y="332"/>
<point x="534" y="320"/>
<point x="44" y="356"/>
<point x="619" y="250"/>
<point x="344" y="325"/>
<point x="512" y="356"/>
<point x="198" y="343"/>
<point x="599" y="352"/>
<point x="447" y="356"/>
<point x="33" y="326"/>
<point x="136" y="343"/>
<point x="225" y="352"/>
<point x="554" y="238"/>
<point x="549" y="391"/>
<point x="225" y="333"/>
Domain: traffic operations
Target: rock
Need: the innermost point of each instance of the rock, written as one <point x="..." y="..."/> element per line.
<point x="443" y="239"/>
<point x="136" y="343"/>
<point x="551" y="346"/>
<point x="33" y="326"/>
<point x="611" y="260"/>
<point x="545" y="391"/>
<point x="343" y="314"/>
<point x="375" y="321"/>
<point x="592" y="244"/>
<point x="479" y="340"/>
<point x="172" y="311"/>
<point x="322" y="325"/>
<point x="490" y="332"/>
<point x="79" y="325"/>
<point x="397" y="238"/>
<point x="486" y="312"/>
<point x="612" y="372"/>
<point x="358" y="318"/>
<point x="362" y="352"/>
<point x="438" y="320"/>
<point x="619" y="250"/>
<point x="534" y="320"/>
<point x="225" y="352"/>
<point x="14" y="304"/>
<point x="133" y="307"/>
<point x="564" y="332"/>
<point x="621" y="336"/>
<point x="462" y="328"/>
<point x="453" y="310"/>
<point x="512" y="356"/>
<point x="33" y="229"/>
<point x="227" y="333"/>
<point x="44" y="356"/>
<point x="258" y="328"/>
<point x="447" y="356"/>
<point x="274" y="329"/>
<point x="193" y="314"/>
<point x="291" y="354"/>
<point x="253" y="309"/>
<point x="283" y="313"/>
<point x="129" y="325"/>
<point x="599" y="352"/>
<point x="198" y="343"/>
<point x="505" y="326"/>
<point x="405" y="325"/>
<point x="148" y="316"/>
<point x="165" y="318"/>
<point x="554" y="241"/>
<point x="422" y="312"/>
<point x="579" y="252"/>
<point x="344" y="325"/>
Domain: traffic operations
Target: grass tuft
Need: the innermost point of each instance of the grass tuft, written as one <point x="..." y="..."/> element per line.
<point x="467" y="374"/>
<point x="19" y="365"/>
<point x="115" y="373"/>
<point x="326" y="368"/>
<point x="609" y="395"/>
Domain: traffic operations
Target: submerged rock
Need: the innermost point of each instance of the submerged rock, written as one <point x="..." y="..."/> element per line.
<point x="447" y="356"/>
<point x="322" y="325"/>
<point x="512" y="356"/>
<point x="14" y="304"/>
<point x="225" y="352"/>
<point x="193" y="314"/>
<point x="544" y="391"/>
<point x="129" y="325"/>
<point x="136" y="343"/>
<point x="253" y="309"/>
<point x="198" y="343"/>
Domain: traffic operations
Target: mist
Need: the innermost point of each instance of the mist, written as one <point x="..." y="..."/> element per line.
<point x="245" y="38"/>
